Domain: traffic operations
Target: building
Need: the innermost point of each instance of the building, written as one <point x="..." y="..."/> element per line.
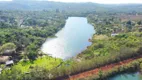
<point x="9" y="63"/>
<point x="3" y="59"/>
<point x="114" y="34"/>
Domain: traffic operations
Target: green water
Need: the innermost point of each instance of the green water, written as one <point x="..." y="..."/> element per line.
<point x="127" y="76"/>
<point x="71" y="40"/>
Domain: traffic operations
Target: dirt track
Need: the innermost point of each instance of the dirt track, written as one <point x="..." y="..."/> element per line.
<point x="105" y="68"/>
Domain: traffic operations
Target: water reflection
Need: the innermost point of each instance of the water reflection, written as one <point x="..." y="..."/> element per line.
<point x="71" y="40"/>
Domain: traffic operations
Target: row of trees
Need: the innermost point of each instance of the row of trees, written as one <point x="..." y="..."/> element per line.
<point x="13" y="19"/>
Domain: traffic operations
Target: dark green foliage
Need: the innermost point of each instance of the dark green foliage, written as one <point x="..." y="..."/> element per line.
<point x="37" y="73"/>
<point x="139" y="22"/>
<point x="140" y="50"/>
<point x="32" y="51"/>
<point x="29" y="29"/>
<point x="13" y="74"/>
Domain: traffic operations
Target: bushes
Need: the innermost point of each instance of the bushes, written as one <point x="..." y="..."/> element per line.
<point x="140" y="50"/>
<point x="38" y="73"/>
<point x="13" y="74"/>
<point x="7" y="46"/>
<point x="112" y="45"/>
<point x="32" y="51"/>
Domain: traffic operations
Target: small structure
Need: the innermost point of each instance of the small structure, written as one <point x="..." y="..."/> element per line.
<point x="0" y="70"/>
<point x="9" y="63"/>
<point x="3" y="59"/>
<point x="114" y="34"/>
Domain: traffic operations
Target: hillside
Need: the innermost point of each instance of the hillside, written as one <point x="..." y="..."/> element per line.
<point x="70" y="7"/>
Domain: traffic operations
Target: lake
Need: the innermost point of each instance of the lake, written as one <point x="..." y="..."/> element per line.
<point x="127" y="76"/>
<point x="71" y="40"/>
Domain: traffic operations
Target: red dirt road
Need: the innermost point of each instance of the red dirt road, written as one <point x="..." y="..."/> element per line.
<point x="105" y="68"/>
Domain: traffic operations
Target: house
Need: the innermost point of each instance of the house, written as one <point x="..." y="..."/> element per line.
<point x="3" y="59"/>
<point x="9" y="63"/>
<point x="114" y="34"/>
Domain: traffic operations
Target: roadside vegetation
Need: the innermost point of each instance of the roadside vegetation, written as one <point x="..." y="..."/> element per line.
<point x="125" y="68"/>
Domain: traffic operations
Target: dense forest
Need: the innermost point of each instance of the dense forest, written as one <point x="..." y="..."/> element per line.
<point x="22" y="34"/>
<point x="25" y="27"/>
<point x="28" y="30"/>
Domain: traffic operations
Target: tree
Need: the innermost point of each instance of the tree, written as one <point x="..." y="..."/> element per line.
<point x="37" y="73"/>
<point x="139" y="22"/>
<point x="129" y="25"/>
<point x="13" y="74"/>
<point x="7" y="46"/>
<point x="31" y="51"/>
<point x="100" y="73"/>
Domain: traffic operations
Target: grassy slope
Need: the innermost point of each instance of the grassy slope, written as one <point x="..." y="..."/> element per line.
<point x="46" y="62"/>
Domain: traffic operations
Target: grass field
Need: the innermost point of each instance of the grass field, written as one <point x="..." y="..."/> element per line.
<point x="46" y="62"/>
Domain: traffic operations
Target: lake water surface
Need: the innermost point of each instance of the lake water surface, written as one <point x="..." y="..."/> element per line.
<point x="127" y="76"/>
<point x="71" y="40"/>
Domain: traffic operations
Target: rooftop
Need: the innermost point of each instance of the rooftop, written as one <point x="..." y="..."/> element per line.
<point x="9" y="62"/>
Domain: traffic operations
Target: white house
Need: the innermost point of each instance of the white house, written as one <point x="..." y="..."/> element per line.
<point x="9" y="63"/>
<point x="114" y="34"/>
